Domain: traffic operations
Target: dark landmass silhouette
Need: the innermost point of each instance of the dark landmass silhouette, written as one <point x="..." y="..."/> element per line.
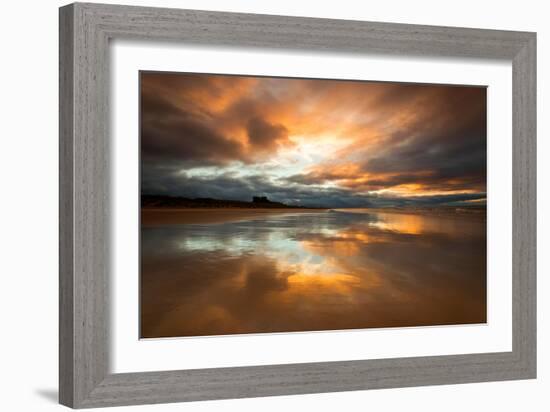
<point x="258" y="202"/>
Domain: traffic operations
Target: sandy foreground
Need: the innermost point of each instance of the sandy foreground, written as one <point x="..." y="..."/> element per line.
<point x="152" y="217"/>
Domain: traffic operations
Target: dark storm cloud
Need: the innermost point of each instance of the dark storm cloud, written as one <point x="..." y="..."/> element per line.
<point x="448" y="140"/>
<point x="264" y="135"/>
<point x="204" y="120"/>
<point x="443" y="146"/>
<point x="230" y="187"/>
<point x="172" y="134"/>
<point x="413" y="139"/>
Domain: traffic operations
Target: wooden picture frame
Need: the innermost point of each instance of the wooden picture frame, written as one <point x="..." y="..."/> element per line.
<point x="85" y="31"/>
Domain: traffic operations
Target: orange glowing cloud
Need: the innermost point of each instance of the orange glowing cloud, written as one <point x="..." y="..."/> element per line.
<point x="303" y="138"/>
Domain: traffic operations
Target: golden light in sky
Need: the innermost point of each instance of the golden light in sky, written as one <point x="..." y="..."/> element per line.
<point x="312" y="142"/>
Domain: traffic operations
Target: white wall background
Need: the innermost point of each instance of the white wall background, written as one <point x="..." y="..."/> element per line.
<point x="28" y="208"/>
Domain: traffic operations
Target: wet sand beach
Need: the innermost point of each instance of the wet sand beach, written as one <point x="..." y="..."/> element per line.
<point x="227" y="271"/>
<point x="167" y="216"/>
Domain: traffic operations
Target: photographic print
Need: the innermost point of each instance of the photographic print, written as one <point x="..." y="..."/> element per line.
<point x="274" y="204"/>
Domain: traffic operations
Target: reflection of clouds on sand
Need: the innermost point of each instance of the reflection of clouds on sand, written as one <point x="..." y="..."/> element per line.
<point x="409" y="224"/>
<point x="313" y="271"/>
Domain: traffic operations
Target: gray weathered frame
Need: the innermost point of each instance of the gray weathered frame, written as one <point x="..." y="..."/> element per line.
<point x="85" y="31"/>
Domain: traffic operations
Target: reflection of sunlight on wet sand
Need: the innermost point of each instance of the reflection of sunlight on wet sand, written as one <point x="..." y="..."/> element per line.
<point x="315" y="290"/>
<point x="339" y="247"/>
<point x="345" y="248"/>
<point x="346" y="242"/>
<point x="320" y="267"/>
<point x="314" y="272"/>
<point x="407" y="224"/>
<point x="337" y="283"/>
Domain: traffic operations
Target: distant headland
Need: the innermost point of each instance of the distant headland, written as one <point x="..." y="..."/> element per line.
<point x="258" y="202"/>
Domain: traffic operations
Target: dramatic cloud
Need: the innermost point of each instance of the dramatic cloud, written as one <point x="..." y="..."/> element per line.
<point x="313" y="142"/>
<point x="264" y="136"/>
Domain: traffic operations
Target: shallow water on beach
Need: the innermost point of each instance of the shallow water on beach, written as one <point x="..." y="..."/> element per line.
<point x="323" y="270"/>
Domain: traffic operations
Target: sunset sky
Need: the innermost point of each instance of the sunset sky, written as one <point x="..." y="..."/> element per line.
<point x="312" y="142"/>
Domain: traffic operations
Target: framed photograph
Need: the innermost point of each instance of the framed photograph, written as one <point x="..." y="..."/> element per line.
<point x="256" y="205"/>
